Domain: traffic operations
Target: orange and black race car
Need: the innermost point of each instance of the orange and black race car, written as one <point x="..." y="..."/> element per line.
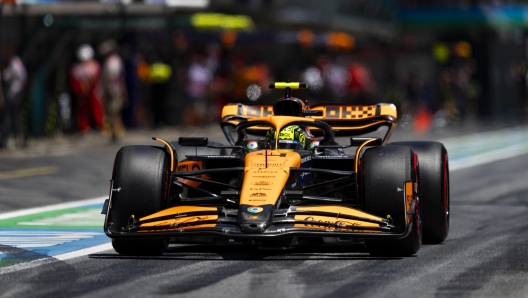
<point x="283" y="181"/>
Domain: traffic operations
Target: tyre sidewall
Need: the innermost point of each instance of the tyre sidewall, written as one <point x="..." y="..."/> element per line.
<point x="384" y="171"/>
<point x="434" y="185"/>
<point x="142" y="175"/>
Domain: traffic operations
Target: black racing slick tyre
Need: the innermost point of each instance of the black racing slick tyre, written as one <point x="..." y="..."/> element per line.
<point x="384" y="173"/>
<point x="142" y="174"/>
<point x="434" y="185"/>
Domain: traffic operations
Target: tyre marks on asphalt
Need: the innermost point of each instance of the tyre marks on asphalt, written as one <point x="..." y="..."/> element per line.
<point x="489" y="260"/>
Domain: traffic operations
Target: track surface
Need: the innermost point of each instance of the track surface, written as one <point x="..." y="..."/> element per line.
<point x="485" y="255"/>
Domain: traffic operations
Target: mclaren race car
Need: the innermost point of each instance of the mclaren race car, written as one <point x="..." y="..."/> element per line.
<point x="283" y="180"/>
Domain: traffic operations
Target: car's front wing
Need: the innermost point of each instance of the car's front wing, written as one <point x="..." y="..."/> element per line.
<point x="314" y="221"/>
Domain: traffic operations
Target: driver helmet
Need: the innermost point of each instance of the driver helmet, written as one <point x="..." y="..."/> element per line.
<point x="290" y="137"/>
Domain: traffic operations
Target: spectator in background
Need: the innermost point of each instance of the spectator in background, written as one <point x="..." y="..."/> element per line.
<point x="15" y="79"/>
<point x="199" y="77"/>
<point x="447" y="112"/>
<point x="336" y="80"/>
<point x="160" y="74"/>
<point x="360" y="83"/>
<point x="145" y="110"/>
<point x="236" y="77"/>
<point x="84" y="81"/>
<point x="113" y="87"/>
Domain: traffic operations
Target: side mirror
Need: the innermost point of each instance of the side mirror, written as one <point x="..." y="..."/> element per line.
<point x="230" y="132"/>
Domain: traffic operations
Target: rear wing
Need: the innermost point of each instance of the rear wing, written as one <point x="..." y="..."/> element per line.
<point x="329" y="112"/>
<point x="356" y="112"/>
<point x="345" y="120"/>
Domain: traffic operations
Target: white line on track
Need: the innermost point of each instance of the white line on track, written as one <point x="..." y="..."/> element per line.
<point x="486" y="147"/>
<point x="55" y="207"/>
<point x="61" y="257"/>
<point x="489" y="157"/>
<point x="32" y="239"/>
<point x="90" y="217"/>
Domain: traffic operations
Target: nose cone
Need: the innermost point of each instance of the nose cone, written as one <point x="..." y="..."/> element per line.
<point x="255" y="219"/>
<point x="265" y="176"/>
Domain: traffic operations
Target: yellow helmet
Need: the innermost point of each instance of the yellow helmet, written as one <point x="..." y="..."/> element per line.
<point x="290" y="137"/>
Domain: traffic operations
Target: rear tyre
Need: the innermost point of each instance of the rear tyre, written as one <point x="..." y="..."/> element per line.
<point x="142" y="173"/>
<point x="434" y="185"/>
<point x="384" y="171"/>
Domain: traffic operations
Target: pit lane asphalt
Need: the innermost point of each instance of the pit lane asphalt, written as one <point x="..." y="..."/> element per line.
<point x="485" y="255"/>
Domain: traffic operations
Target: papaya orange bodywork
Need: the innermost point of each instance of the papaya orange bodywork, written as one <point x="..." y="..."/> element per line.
<point x="314" y="222"/>
<point x="178" y="210"/>
<point x="409" y="196"/>
<point x="190" y="165"/>
<point x="339" y="210"/>
<point x="175" y="222"/>
<point x="265" y="176"/>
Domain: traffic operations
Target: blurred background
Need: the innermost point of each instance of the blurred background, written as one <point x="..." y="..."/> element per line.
<point x="110" y="66"/>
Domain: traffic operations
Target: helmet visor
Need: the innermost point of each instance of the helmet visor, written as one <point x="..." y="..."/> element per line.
<point x="288" y="144"/>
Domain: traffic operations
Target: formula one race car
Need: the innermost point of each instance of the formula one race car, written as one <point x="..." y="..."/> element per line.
<point x="283" y="181"/>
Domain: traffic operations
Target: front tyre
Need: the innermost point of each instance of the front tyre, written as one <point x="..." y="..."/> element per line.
<point x="434" y="185"/>
<point x="384" y="172"/>
<point x="142" y="173"/>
